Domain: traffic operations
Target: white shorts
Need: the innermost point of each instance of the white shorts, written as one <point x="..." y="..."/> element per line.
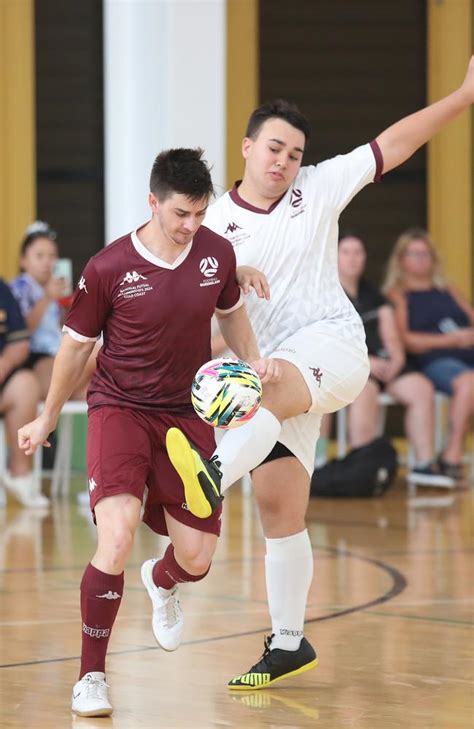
<point x="335" y="371"/>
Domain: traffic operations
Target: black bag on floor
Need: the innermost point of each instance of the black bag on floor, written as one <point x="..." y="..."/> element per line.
<point x="365" y="471"/>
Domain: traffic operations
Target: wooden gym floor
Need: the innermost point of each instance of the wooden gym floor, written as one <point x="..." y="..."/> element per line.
<point x="390" y="613"/>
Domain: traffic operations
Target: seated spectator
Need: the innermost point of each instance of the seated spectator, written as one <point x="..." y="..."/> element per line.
<point x="437" y="326"/>
<point x="19" y="397"/>
<point x="389" y="371"/>
<point x="38" y="293"/>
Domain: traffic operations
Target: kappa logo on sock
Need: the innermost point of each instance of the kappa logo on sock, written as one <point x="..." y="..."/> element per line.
<point x="294" y="633"/>
<point x="110" y="595"/>
<point x="95" y="632"/>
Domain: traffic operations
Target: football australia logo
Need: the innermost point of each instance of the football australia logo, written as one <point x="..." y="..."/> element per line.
<point x="296" y="202"/>
<point x="208" y="267"/>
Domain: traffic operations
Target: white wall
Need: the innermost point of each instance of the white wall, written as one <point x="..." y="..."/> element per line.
<point x="164" y="86"/>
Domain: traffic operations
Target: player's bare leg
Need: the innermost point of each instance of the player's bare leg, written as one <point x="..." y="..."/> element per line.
<point x="240" y="450"/>
<point x="288" y="571"/>
<point x="187" y="559"/>
<point x="101" y="594"/>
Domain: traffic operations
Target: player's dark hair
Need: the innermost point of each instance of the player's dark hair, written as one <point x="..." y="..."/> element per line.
<point x="182" y="171"/>
<point x="277" y="109"/>
<point x="38" y="229"/>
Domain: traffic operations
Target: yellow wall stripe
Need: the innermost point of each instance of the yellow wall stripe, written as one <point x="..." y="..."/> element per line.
<point x="17" y="128"/>
<point x="242" y="78"/>
<point x="450" y="154"/>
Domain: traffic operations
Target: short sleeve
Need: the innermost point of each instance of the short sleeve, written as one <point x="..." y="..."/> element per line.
<point x="15" y="327"/>
<point x="230" y="297"/>
<point x="342" y="177"/>
<point x="90" y="306"/>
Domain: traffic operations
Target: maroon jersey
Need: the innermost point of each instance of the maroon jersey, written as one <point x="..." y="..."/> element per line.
<point x="155" y="318"/>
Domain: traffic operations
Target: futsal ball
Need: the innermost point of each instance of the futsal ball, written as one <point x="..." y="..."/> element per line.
<point x="226" y="392"/>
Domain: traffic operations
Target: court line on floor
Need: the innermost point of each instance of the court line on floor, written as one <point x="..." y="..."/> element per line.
<point x="399" y="583"/>
<point x="449" y="621"/>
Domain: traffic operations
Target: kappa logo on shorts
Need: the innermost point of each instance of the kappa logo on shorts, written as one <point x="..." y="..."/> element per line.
<point x="317" y="374"/>
<point x="185" y="506"/>
<point x="82" y="284"/>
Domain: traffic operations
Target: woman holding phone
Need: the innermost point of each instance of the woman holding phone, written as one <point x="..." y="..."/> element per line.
<point x="41" y="287"/>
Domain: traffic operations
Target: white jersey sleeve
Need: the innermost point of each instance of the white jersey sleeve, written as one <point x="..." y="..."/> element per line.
<point x="342" y="177"/>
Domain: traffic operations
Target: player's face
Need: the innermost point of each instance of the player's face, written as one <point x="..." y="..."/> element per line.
<point x="351" y="257"/>
<point x="178" y="216"/>
<point x="273" y="159"/>
<point x="417" y="259"/>
<point x="39" y="259"/>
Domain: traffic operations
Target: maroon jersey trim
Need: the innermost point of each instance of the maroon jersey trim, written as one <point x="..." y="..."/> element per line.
<point x="378" y="160"/>
<point x="235" y="197"/>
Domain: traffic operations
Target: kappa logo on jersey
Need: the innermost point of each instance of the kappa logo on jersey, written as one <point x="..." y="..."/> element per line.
<point x="82" y="284"/>
<point x="231" y="228"/>
<point x="132" y="277"/>
<point x="296" y="198"/>
<point x="317" y="374"/>
<point x="209" y="266"/>
<point x="92" y="484"/>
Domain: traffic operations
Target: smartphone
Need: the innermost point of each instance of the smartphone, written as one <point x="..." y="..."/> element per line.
<point x="63" y="269"/>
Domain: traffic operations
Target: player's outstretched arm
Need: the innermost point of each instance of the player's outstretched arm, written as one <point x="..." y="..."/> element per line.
<point x="68" y="367"/>
<point x="240" y="338"/>
<point x="403" y="138"/>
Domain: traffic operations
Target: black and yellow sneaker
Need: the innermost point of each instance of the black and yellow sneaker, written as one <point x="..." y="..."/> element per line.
<point x="275" y="665"/>
<point x="201" y="477"/>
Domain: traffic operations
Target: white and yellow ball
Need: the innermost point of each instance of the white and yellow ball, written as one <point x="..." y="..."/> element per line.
<point x="226" y="392"/>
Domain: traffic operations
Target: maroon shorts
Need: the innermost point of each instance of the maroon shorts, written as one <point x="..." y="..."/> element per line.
<point x="126" y="451"/>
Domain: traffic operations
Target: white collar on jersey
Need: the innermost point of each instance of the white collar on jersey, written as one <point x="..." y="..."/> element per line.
<point x="148" y="255"/>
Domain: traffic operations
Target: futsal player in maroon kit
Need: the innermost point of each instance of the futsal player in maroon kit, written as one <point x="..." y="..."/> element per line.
<point x="151" y="294"/>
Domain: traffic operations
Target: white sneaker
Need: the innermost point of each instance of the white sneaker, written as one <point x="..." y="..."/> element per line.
<point x="89" y="696"/>
<point x="168" y="621"/>
<point x="25" y="490"/>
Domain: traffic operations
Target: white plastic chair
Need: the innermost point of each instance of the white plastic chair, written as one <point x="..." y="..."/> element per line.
<point x="61" y="477"/>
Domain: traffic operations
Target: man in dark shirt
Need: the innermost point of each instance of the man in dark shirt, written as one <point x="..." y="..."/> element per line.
<point x="152" y="294"/>
<point x="19" y="397"/>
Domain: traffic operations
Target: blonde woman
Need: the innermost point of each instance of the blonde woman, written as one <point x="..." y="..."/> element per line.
<point x="437" y="326"/>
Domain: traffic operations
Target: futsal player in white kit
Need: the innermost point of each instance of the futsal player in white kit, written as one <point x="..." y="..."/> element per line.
<point x="282" y="219"/>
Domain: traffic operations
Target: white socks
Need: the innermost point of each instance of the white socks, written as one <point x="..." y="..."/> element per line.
<point x="288" y="572"/>
<point x="246" y="447"/>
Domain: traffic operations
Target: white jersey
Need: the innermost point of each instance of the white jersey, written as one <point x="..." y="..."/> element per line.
<point x="295" y="245"/>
